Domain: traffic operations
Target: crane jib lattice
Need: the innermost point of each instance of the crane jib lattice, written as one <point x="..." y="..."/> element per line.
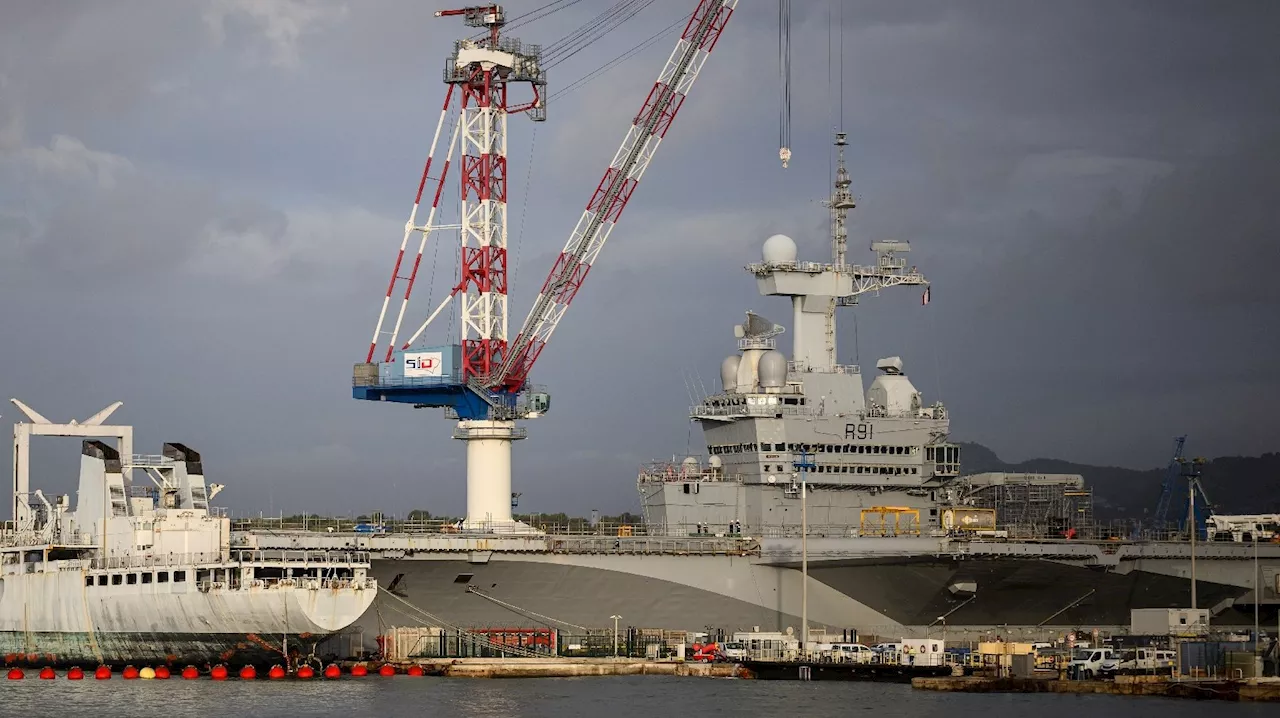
<point x="614" y="191"/>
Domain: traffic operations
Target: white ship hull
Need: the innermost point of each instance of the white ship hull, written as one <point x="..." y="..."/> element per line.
<point x="54" y="618"/>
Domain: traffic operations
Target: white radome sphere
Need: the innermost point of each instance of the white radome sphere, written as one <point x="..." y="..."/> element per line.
<point x="772" y="369"/>
<point x="779" y="249"/>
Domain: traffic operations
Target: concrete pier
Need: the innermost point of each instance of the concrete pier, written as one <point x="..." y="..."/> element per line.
<point x="1264" y="689"/>
<point x="565" y="668"/>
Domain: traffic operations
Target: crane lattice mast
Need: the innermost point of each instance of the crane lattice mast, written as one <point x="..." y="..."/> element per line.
<point x="482" y="380"/>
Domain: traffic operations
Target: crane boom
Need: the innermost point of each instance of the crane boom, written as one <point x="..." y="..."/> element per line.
<point x="615" y="189"/>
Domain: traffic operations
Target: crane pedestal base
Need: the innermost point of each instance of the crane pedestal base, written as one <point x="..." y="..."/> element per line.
<point x="489" y="476"/>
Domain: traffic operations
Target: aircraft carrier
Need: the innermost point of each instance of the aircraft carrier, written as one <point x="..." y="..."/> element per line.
<point x="899" y="542"/>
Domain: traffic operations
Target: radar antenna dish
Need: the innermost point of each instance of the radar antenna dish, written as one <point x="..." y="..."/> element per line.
<point x="757" y="327"/>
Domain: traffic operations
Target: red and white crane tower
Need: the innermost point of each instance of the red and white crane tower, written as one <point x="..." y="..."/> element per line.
<point x="482" y="381"/>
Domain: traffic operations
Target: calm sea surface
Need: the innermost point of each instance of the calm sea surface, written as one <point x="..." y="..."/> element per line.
<point x="624" y="697"/>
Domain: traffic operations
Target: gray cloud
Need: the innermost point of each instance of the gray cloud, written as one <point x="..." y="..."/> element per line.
<point x="199" y="204"/>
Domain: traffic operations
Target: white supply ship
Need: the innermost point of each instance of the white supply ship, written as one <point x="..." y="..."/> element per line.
<point x="141" y="569"/>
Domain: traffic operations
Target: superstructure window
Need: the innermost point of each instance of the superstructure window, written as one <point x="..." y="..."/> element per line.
<point x="133" y="579"/>
<point x="102" y="580"/>
<point x="162" y="577"/>
<point x="147" y="578"/>
<point x="116" y="579"/>
<point x="179" y="576"/>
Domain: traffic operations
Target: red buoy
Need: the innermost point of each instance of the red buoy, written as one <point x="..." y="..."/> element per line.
<point x="218" y="673"/>
<point x="416" y="670"/>
<point x="276" y="673"/>
<point x="47" y="674"/>
<point x="248" y="673"/>
<point x="162" y="672"/>
<point x="359" y="670"/>
<point x="387" y="670"/>
<point x="75" y="674"/>
<point x="190" y="673"/>
<point x="130" y="673"/>
<point x="306" y="672"/>
<point x="16" y="674"/>
<point x="102" y="673"/>
<point x="332" y="671"/>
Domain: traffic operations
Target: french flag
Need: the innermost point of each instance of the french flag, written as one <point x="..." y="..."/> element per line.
<point x="924" y="298"/>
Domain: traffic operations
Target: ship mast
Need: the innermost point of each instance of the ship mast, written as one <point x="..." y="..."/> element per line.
<point x="840" y="202"/>
<point x="816" y="289"/>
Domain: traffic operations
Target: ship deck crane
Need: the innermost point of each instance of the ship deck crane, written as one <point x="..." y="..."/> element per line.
<point x="483" y="380"/>
<point x="1171" y="476"/>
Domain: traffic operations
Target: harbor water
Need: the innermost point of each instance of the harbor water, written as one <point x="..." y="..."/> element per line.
<point x="623" y="697"/>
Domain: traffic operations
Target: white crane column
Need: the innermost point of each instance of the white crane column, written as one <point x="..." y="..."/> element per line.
<point x="489" y="475"/>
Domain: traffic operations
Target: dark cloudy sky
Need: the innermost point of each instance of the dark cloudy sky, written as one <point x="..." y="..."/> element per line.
<point x="200" y="201"/>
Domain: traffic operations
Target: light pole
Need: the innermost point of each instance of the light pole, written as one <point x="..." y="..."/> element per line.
<point x="943" y="619"/>
<point x="803" y="465"/>
<point x="615" y="618"/>
<point x="1257" y="591"/>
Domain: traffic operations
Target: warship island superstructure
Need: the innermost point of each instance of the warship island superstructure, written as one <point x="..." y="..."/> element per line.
<point x="898" y="542"/>
<point x="141" y="569"/>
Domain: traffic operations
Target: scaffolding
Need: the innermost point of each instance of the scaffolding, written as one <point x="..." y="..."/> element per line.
<point x="1033" y="505"/>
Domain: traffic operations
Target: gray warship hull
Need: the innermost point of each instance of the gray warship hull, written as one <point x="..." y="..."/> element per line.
<point x="883" y="587"/>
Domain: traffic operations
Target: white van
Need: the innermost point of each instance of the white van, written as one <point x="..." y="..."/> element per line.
<point x="1091" y="663"/>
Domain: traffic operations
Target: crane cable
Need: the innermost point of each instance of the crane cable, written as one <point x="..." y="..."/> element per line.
<point x="784" y="71"/>
<point x="592" y="31"/>
<point x="606" y="67"/>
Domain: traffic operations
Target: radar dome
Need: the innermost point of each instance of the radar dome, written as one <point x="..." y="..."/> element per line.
<point x="729" y="372"/>
<point x="715" y="462"/>
<point x="779" y="249"/>
<point x="772" y="369"/>
<point x="690" y="465"/>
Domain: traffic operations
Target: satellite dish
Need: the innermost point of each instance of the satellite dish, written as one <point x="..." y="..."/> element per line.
<point x="791" y="631"/>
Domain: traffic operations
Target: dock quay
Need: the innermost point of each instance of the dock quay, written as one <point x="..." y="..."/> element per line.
<point x="1254" y="689"/>
<point x="552" y="667"/>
